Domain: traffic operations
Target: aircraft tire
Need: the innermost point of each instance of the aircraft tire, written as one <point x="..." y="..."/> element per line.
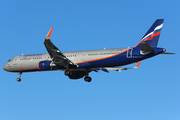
<point x="67" y="72"/>
<point x="19" y="79"/>
<point x="87" y="79"/>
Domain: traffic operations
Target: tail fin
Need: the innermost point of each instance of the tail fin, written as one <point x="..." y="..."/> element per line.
<point x="152" y="35"/>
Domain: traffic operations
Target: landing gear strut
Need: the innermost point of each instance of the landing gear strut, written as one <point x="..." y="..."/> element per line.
<point x="87" y="79"/>
<point x="19" y="79"/>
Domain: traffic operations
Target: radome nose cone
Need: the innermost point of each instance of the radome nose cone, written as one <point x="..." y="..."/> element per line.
<point x="4" y="67"/>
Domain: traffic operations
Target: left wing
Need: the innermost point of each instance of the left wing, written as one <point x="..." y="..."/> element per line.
<point x="55" y="53"/>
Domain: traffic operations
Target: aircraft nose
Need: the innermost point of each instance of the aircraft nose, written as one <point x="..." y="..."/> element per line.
<point x="4" y="67"/>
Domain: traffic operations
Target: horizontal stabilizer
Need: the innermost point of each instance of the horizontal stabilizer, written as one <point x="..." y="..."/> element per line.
<point x="146" y="48"/>
<point x="167" y="53"/>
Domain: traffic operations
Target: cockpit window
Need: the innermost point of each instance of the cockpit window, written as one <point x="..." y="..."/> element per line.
<point x="9" y="60"/>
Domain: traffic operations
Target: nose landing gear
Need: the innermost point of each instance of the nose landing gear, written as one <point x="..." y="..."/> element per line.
<point x="19" y="79"/>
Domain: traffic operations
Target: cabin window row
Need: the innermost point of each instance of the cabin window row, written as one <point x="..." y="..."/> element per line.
<point x="102" y="54"/>
<point x="70" y="55"/>
<point x="31" y="58"/>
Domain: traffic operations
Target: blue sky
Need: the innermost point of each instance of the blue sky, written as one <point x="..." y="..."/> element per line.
<point x="150" y="92"/>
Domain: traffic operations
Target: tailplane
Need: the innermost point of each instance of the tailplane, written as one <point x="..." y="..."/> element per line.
<point x="168" y="53"/>
<point x="146" y="48"/>
<point x="152" y="35"/>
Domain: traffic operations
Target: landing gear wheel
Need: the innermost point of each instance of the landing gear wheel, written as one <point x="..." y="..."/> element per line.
<point x="19" y="79"/>
<point x="67" y="72"/>
<point x="88" y="79"/>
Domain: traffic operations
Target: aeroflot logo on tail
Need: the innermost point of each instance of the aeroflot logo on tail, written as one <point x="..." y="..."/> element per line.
<point x="156" y="30"/>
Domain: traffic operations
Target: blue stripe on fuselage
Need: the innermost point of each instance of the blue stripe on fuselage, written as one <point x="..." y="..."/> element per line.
<point x="118" y="60"/>
<point x="122" y="59"/>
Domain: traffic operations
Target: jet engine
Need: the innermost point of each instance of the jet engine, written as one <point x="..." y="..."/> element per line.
<point x="45" y="65"/>
<point x="77" y="74"/>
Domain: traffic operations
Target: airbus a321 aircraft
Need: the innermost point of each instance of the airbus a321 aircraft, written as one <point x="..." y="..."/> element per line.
<point x="79" y="64"/>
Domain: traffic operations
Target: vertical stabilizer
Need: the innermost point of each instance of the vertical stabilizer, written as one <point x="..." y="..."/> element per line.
<point x="152" y="35"/>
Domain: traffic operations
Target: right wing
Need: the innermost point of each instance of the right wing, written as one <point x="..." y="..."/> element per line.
<point x="105" y="69"/>
<point x="119" y="69"/>
<point x="55" y="53"/>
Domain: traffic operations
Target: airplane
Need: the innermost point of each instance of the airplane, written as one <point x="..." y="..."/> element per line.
<point x="79" y="64"/>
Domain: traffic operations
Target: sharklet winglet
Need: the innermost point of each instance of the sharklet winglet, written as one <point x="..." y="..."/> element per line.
<point x="49" y="33"/>
<point x="137" y="64"/>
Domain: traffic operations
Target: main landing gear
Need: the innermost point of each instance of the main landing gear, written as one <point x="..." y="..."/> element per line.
<point x="67" y="72"/>
<point x="19" y="79"/>
<point x="78" y="75"/>
<point x="87" y="79"/>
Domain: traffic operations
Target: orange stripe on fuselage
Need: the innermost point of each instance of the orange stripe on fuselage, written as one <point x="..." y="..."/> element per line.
<point x="25" y="70"/>
<point x="101" y="58"/>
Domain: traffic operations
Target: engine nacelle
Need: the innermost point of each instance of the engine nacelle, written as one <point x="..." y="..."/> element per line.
<point x="77" y="74"/>
<point x="45" y="65"/>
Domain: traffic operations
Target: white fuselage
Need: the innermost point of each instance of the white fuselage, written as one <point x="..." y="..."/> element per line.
<point x="30" y="62"/>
